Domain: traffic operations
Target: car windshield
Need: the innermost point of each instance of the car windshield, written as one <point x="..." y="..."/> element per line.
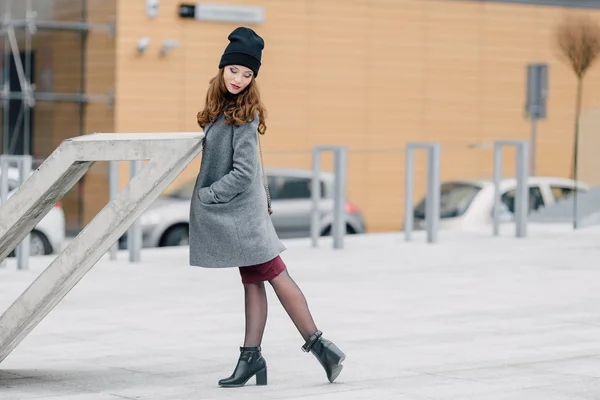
<point x="455" y="198"/>
<point x="184" y="191"/>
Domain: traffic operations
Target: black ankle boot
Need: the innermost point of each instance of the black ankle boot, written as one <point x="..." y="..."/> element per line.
<point x="328" y="354"/>
<point x="250" y="363"/>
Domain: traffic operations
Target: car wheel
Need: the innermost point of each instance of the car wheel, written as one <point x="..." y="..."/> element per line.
<point x="39" y="244"/>
<point x="327" y="231"/>
<point x="176" y="236"/>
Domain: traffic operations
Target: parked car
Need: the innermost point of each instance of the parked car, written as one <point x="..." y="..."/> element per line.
<point x="48" y="236"/>
<point x="588" y="210"/>
<point x="166" y="221"/>
<point x="468" y="204"/>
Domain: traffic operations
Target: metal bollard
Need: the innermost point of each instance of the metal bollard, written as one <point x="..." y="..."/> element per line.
<point x="522" y="192"/>
<point x="134" y="234"/>
<point x="113" y="189"/>
<point x="24" y="164"/>
<point x="24" y="249"/>
<point x="339" y="206"/>
<point x="432" y="199"/>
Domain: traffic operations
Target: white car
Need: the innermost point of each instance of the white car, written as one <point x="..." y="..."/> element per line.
<point x="468" y="204"/>
<point x="48" y="236"/>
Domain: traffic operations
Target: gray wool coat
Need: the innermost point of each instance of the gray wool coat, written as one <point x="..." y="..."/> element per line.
<point x="229" y="222"/>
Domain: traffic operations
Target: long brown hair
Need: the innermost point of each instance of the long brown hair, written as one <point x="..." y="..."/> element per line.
<point x="241" y="107"/>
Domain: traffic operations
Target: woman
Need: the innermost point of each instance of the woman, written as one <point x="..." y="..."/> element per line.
<point x="229" y="217"/>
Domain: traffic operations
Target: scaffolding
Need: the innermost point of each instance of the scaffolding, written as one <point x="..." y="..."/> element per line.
<point x="27" y="94"/>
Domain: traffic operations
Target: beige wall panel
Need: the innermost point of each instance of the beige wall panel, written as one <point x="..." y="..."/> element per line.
<point x="589" y="147"/>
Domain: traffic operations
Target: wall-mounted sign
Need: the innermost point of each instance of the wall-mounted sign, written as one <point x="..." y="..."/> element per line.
<point x="223" y="13"/>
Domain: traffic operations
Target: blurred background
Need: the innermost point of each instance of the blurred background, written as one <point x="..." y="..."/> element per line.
<point x="371" y="75"/>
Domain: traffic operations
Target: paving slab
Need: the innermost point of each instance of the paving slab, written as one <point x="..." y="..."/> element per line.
<point x="471" y="317"/>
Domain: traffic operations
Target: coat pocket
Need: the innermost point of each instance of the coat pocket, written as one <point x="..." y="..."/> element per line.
<point x="205" y="197"/>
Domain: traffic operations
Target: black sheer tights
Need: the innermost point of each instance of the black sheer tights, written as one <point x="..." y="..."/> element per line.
<point x="290" y="296"/>
<point x="256" y="313"/>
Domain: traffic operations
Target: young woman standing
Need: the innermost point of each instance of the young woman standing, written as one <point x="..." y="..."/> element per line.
<point x="230" y="226"/>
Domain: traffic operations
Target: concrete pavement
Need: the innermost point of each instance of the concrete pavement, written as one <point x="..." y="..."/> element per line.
<point x="472" y="317"/>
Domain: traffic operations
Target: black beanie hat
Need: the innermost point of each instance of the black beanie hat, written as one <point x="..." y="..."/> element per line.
<point x="244" y="48"/>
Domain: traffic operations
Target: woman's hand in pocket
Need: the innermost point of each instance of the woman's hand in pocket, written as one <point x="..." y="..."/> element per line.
<point x="206" y="196"/>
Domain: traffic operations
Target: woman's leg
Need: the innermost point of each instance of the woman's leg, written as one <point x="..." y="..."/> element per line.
<point x="256" y="313"/>
<point x="294" y="303"/>
<point x="328" y="354"/>
<point x="251" y="361"/>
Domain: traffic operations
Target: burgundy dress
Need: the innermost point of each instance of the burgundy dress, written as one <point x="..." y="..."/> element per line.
<point x="262" y="272"/>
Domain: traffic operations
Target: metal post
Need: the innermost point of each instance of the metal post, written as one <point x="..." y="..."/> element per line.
<point x="433" y="193"/>
<point x="522" y="200"/>
<point x="533" y="146"/>
<point x="315" y="197"/>
<point x="24" y="250"/>
<point x="134" y="236"/>
<point x="535" y="104"/>
<point x="409" y="182"/>
<point x="113" y="189"/>
<point x="24" y="164"/>
<point x="339" y="209"/>
<point x="4" y="178"/>
<point x="497" y="178"/>
<point x="522" y="190"/>
<point x="432" y="199"/>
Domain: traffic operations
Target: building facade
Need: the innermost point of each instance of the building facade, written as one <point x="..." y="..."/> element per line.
<point x="370" y="75"/>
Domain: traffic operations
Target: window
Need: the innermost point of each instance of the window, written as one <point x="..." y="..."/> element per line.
<point x="561" y="192"/>
<point x="289" y="188"/>
<point x="536" y="200"/>
<point x="455" y="198"/>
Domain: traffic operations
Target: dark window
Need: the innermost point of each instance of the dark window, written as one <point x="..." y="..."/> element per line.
<point x="562" y="192"/>
<point x="455" y="198"/>
<point x="536" y="200"/>
<point x="288" y="188"/>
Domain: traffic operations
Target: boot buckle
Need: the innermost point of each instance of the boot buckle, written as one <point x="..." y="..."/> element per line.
<point x="311" y="341"/>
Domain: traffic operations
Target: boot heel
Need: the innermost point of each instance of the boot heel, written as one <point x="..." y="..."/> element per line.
<point x="328" y="354"/>
<point x="335" y="354"/>
<point x="250" y="363"/>
<point x="261" y="377"/>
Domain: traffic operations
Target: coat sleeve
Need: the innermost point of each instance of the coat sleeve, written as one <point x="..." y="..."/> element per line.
<point x="245" y="163"/>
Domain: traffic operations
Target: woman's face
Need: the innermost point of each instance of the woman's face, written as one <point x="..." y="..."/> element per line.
<point x="237" y="78"/>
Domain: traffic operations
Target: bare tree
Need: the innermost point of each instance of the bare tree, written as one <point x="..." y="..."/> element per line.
<point x="579" y="41"/>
